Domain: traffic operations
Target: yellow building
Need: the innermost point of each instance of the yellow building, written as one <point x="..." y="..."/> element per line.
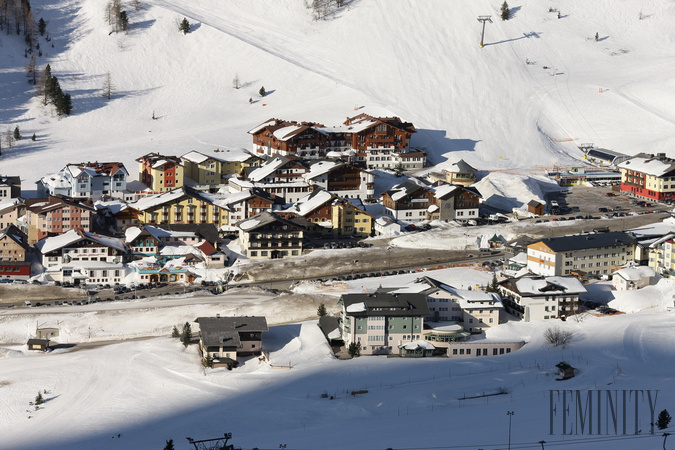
<point x="159" y="172"/>
<point x="183" y="205"/>
<point x="212" y="170"/>
<point x="348" y="219"/>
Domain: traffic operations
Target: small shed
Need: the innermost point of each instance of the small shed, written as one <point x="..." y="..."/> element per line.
<point x="534" y="207"/>
<point x="38" y="344"/>
<point x="565" y="371"/>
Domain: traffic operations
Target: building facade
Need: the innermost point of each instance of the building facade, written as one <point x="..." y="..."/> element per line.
<point x="380" y="322"/>
<point x="160" y="173"/>
<point x="648" y="176"/>
<point x="541" y="298"/>
<point x="596" y="254"/>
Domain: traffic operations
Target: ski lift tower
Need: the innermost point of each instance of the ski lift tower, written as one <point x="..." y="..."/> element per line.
<point x="483" y="19"/>
<point x="213" y="444"/>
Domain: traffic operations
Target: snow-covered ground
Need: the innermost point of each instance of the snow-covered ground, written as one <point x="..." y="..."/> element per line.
<point x="423" y="64"/>
<point x="151" y="390"/>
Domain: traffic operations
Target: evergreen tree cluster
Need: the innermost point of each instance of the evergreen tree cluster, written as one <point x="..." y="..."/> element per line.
<point x="506" y="12"/>
<point x="186" y="335"/>
<point x="184" y="26"/>
<point x="49" y="89"/>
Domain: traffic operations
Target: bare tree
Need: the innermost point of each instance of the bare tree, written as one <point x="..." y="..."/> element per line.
<point x="137" y="4"/>
<point x="32" y="70"/>
<point x="9" y="137"/>
<point x="108" y="87"/>
<point x="235" y="82"/>
<point x="557" y="337"/>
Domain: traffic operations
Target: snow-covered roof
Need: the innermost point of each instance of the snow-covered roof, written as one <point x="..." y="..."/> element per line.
<point x="356" y="307"/>
<point x="310" y="202"/>
<point x="549" y="285"/>
<point x="160" y="233"/>
<point x="268" y="168"/>
<point x="285" y="133"/>
<point x="114" y="206"/>
<point x="52" y="243"/>
<point x="249" y="224"/>
<point x="320" y="168"/>
<point x="444" y="189"/>
<point x="132" y="233"/>
<point x="197" y="157"/>
<point x="261" y="126"/>
<point x="174" y="250"/>
<point x="649" y="164"/>
<point x="55" y="181"/>
<point x="158" y="199"/>
<point x="635" y="273"/>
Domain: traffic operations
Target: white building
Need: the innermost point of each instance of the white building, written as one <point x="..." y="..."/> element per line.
<point x="539" y="298"/>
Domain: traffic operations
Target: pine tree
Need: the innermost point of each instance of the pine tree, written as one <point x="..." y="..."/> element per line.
<point x="43" y="84"/>
<point x="123" y="20"/>
<point x="399" y="170"/>
<point x="186" y="336"/>
<point x="250" y="101"/>
<point x="42" y="26"/>
<point x="67" y="102"/>
<point x="174" y="332"/>
<point x="663" y="420"/>
<point x="169" y="445"/>
<point x="207" y="361"/>
<point x="506" y="12"/>
<point x="494" y="284"/>
<point x="321" y="310"/>
<point x="184" y="26"/>
<point x="33" y="138"/>
<point x="40" y="400"/>
<point x="597" y="37"/>
<point x="262" y="91"/>
<point x="17" y="133"/>
<point x="354" y="349"/>
<point x="235" y="82"/>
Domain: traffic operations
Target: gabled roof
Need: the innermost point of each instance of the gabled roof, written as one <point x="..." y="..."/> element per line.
<point x="10" y="203"/>
<point x="95" y="169"/>
<point x="266" y="218"/>
<point x="385" y="304"/>
<point x="364" y="121"/>
<point x="310" y="203"/>
<point x="156" y="160"/>
<point x="15" y="234"/>
<point x="586" y="241"/>
<point x="656" y="165"/>
<point x="405" y="189"/>
<point x="635" y="273"/>
<point x="45" y="205"/>
<point x="270" y="166"/>
<point x="52" y="243"/>
<point x="224" y="331"/>
<point x="536" y="286"/>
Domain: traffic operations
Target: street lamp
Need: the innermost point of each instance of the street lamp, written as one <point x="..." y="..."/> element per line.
<point x="510" y="414"/>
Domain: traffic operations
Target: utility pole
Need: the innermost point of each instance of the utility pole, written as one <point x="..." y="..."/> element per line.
<point x="482" y="34"/>
<point x="542" y="444"/>
<point x="510" y="414"/>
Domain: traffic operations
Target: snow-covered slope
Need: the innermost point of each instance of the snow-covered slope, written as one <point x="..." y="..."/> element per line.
<point x="418" y="61"/>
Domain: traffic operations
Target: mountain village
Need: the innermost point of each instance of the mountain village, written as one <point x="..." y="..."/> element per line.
<point x="194" y="219"/>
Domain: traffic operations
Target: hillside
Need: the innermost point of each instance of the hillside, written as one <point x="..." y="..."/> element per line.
<point x="486" y="105"/>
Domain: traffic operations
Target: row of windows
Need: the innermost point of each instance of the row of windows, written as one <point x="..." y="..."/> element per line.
<point x="481" y="351"/>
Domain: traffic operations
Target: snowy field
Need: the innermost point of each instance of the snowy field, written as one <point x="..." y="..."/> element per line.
<point x="151" y="390"/>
